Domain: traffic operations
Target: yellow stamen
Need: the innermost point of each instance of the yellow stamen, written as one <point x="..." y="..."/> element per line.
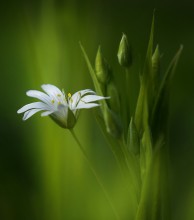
<point x="59" y="103"/>
<point x="53" y="101"/>
<point x="69" y="95"/>
<point x="59" y="95"/>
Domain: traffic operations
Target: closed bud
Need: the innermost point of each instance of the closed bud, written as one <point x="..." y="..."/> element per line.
<point x="124" y="53"/>
<point x="113" y="124"/>
<point x="113" y="102"/>
<point x="133" y="142"/>
<point x="102" y="68"/>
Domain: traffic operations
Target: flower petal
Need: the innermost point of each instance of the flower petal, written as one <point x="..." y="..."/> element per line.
<point x="34" y="105"/>
<point x="77" y="96"/>
<point x="92" y="98"/>
<point x="39" y="95"/>
<point x="29" y="113"/>
<point x="55" y="93"/>
<point x="51" y="89"/>
<point x="86" y="105"/>
<point x="46" y="113"/>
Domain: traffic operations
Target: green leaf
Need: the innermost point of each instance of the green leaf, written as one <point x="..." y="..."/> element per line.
<point x="160" y="108"/>
<point x="145" y="78"/>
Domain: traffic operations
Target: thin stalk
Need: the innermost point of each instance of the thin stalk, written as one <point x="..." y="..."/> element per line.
<point x="128" y="93"/>
<point x="131" y="167"/>
<point x="95" y="174"/>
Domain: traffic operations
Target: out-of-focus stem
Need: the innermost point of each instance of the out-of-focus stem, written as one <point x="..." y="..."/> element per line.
<point x="95" y="174"/>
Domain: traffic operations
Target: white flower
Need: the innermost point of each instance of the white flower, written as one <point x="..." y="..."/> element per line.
<point x="62" y="108"/>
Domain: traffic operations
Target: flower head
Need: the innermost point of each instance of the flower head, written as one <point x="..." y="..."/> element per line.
<point x="62" y="108"/>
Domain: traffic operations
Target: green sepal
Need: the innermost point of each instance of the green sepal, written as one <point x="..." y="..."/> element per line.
<point x="68" y="122"/>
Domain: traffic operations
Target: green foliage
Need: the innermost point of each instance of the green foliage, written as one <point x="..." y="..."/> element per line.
<point x="111" y="119"/>
<point x="144" y="154"/>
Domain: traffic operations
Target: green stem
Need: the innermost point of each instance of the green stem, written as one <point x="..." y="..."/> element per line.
<point x="131" y="167"/>
<point x="128" y="92"/>
<point x="95" y="174"/>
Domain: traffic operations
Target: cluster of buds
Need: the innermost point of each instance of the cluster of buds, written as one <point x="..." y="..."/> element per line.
<point x="105" y="85"/>
<point x="111" y="107"/>
<point x="143" y="132"/>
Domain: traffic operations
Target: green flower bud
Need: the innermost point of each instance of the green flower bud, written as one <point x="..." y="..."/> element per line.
<point x="156" y="61"/>
<point x="124" y="53"/>
<point x="113" y="124"/>
<point x="113" y="102"/>
<point x="102" y="68"/>
<point x="133" y="142"/>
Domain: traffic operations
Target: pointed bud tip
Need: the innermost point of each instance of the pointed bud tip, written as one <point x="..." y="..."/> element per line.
<point x="124" y="52"/>
<point x="102" y="68"/>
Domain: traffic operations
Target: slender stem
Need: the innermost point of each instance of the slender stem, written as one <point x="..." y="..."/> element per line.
<point x="128" y="91"/>
<point x="95" y="174"/>
<point x="130" y="166"/>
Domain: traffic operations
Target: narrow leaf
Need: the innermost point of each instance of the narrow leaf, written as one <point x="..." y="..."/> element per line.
<point x="161" y="101"/>
<point x="144" y="80"/>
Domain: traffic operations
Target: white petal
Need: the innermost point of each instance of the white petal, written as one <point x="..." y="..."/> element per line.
<point x="92" y="98"/>
<point x="82" y="93"/>
<point x="77" y="96"/>
<point x="86" y="105"/>
<point x="51" y="90"/>
<point x="29" y="113"/>
<point x="55" y="93"/>
<point x="63" y="109"/>
<point x="46" y="113"/>
<point x="34" y="105"/>
<point x="39" y="95"/>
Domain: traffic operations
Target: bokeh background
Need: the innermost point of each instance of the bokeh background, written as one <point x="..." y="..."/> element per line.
<point x="42" y="172"/>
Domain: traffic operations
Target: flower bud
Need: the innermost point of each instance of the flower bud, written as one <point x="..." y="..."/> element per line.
<point x="124" y="53"/>
<point x="133" y="142"/>
<point x="113" y="102"/>
<point x="102" y="68"/>
<point x="112" y="122"/>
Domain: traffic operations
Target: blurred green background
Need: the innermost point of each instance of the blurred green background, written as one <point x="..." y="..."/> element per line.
<point x="42" y="172"/>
